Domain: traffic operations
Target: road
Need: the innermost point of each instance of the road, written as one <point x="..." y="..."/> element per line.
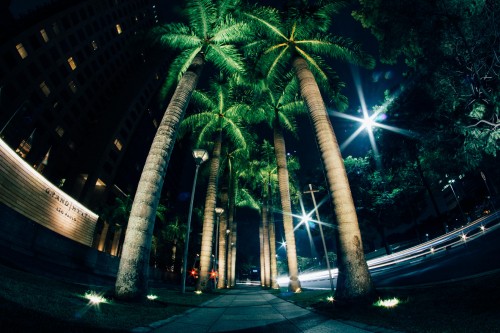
<point x="465" y="252"/>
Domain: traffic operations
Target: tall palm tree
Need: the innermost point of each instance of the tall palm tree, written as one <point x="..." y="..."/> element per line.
<point x="234" y="163"/>
<point x="278" y="106"/>
<point x="218" y="120"/>
<point x="210" y="36"/>
<point x="300" y="40"/>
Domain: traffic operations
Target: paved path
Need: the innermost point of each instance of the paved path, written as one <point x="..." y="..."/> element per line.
<point x="251" y="309"/>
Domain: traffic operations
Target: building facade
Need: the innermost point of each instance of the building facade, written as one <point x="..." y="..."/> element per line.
<point x="78" y="84"/>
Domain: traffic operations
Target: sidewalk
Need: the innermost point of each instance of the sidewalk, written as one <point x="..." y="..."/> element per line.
<point x="250" y="309"/>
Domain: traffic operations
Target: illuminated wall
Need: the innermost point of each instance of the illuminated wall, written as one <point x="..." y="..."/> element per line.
<point x="30" y="194"/>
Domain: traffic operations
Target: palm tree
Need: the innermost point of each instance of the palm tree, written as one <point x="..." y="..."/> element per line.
<point x="174" y="232"/>
<point x="211" y="36"/>
<point x="218" y="120"/>
<point x="234" y="164"/>
<point x="278" y="106"/>
<point x="300" y="41"/>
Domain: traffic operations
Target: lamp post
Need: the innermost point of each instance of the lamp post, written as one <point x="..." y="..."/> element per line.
<point x="451" y="181"/>
<point x="322" y="235"/>
<point x="200" y="156"/>
<point x="489" y="192"/>
<point x="218" y="211"/>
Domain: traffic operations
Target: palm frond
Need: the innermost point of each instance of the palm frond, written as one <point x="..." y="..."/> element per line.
<point x="202" y="15"/>
<point x="245" y="199"/>
<point x="208" y="129"/>
<point x="234" y="133"/>
<point x="287" y="123"/>
<point x="202" y="100"/>
<point x="337" y="47"/>
<point x="175" y="36"/>
<point x="230" y="32"/>
<point x="226" y="58"/>
<point x="268" y="21"/>
<point x="192" y="122"/>
<point x="179" y="66"/>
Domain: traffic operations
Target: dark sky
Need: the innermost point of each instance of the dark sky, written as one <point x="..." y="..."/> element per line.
<point x="373" y="83"/>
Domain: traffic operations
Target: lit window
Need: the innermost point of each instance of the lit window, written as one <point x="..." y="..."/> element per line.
<point x="94" y="45"/>
<point x="72" y="86"/>
<point x="118" y="29"/>
<point x="45" y="88"/>
<point x="118" y="144"/>
<point x="44" y="35"/>
<point x="72" y="63"/>
<point x="22" y="51"/>
<point x="60" y="131"/>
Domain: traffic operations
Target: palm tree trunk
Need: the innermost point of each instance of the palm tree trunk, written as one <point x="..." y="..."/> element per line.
<point x="208" y="216"/>
<point x="354" y="280"/>
<point x="286" y="206"/>
<point x="221" y="268"/>
<point x="265" y="240"/>
<point x="272" y="250"/>
<point x="133" y="271"/>
<point x="223" y="226"/>
<point x="261" y="248"/>
<point x="234" y="232"/>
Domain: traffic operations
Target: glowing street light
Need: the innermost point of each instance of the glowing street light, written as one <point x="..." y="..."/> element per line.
<point x="200" y="156"/>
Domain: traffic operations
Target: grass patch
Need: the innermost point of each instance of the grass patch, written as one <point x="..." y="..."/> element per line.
<point x="31" y="303"/>
<point x="468" y="306"/>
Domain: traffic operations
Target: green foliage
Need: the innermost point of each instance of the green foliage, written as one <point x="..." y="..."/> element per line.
<point x="303" y="33"/>
<point x="217" y="112"/>
<point x="451" y="48"/>
<point x="211" y="29"/>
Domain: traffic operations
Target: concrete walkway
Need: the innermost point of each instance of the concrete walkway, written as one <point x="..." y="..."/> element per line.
<point x="251" y="309"/>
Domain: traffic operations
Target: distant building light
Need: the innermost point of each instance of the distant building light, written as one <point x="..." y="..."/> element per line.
<point x="72" y="63"/>
<point x="118" y="144"/>
<point x="118" y="29"/>
<point x="72" y="86"/>
<point x="94" y="45"/>
<point x="21" y="50"/>
<point x="60" y="131"/>
<point x="45" y="89"/>
<point x="44" y="35"/>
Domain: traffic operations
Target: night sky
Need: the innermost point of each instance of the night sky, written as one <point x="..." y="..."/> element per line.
<point x="373" y="83"/>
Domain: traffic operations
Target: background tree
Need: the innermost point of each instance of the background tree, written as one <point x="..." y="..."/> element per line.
<point x="451" y="50"/>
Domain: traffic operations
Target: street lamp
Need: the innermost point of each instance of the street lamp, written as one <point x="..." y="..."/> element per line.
<point x="322" y="235"/>
<point x="451" y="181"/>
<point x="200" y="156"/>
<point x="488" y="188"/>
<point x="218" y="211"/>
